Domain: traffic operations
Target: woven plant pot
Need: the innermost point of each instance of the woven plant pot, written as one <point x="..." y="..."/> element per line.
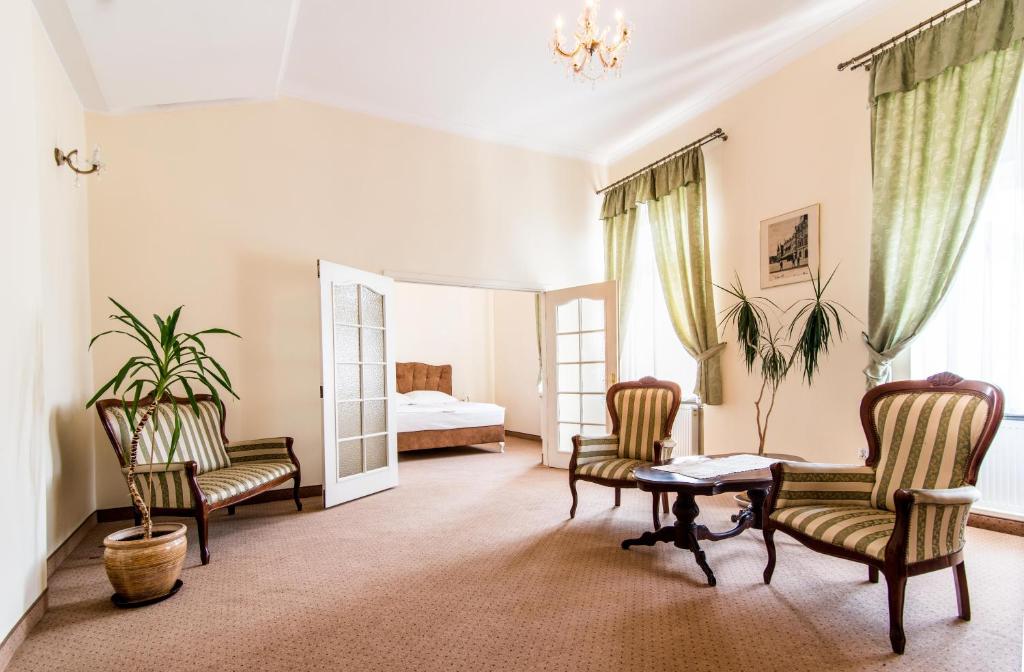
<point x="143" y="570"/>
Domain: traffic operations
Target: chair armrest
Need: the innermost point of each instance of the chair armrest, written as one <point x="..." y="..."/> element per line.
<point x="159" y="467"/>
<point x="174" y="484"/>
<point x="276" y="449"/>
<point x="586" y="449"/>
<point x="967" y="494"/>
<point x="809" y="484"/>
<point x="930" y="523"/>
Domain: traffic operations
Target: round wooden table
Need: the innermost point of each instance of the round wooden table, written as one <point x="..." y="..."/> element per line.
<point x="686" y="533"/>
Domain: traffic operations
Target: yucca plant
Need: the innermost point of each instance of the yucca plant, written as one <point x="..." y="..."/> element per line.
<point x="816" y="324"/>
<point x="171" y="363"/>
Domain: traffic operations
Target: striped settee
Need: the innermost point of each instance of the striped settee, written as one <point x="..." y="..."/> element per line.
<point x="905" y="511"/>
<point x="206" y="471"/>
<point x="642" y="415"/>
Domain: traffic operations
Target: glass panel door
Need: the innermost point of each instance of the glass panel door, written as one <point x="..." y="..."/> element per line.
<point x="360" y="441"/>
<point x="580" y="364"/>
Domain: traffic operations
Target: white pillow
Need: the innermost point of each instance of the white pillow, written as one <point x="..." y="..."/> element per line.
<point x="403" y="400"/>
<point x="430" y="397"/>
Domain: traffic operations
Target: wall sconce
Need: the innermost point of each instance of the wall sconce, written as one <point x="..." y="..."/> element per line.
<point x="62" y="159"/>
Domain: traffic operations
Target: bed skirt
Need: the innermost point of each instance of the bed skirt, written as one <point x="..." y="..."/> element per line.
<point x="446" y="438"/>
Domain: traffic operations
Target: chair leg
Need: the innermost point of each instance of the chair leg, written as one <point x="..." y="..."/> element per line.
<point x="657" y="518"/>
<point x="231" y="510"/>
<point x="664" y="502"/>
<point x="897" y="585"/>
<point x="575" y="500"/>
<point x="618" y="496"/>
<point x="769" y="543"/>
<point x="963" y="598"/>
<point x="295" y="493"/>
<point x="204" y="547"/>
<point x="872" y="574"/>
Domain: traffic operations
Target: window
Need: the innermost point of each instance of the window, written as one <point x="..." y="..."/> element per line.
<point x="651" y="346"/>
<point x="977" y="331"/>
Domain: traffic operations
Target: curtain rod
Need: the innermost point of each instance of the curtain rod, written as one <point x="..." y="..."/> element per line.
<point x="863" y="60"/>
<point x="710" y="137"/>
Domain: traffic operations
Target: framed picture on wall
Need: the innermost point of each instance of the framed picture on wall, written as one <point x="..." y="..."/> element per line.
<point x="789" y="247"/>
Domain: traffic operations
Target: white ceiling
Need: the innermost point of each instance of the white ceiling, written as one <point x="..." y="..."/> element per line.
<point x="478" y="68"/>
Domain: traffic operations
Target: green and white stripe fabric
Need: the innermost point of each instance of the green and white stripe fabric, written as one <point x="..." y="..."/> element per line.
<point x="804" y="484"/>
<point x="936" y="530"/>
<point x="596" y="449"/>
<point x="642" y="414"/>
<point x="617" y="469"/>
<point x="862" y="529"/>
<point x="234" y="480"/>
<point x="258" y="450"/>
<point x="170" y="488"/>
<point x="200" y="439"/>
<point x="926" y="439"/>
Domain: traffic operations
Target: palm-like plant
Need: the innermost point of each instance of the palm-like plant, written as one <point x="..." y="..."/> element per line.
<point x="817" y="324"/>
<point x="172" y="362"/>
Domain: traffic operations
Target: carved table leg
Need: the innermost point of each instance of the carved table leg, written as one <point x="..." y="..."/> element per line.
<point x="757" y="498"/>
<point x="683" y="534"/>
<point x="687" y="532"/>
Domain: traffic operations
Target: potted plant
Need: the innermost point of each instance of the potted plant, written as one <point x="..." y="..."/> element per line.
<point x="144" y="562"/>
<point x="768" y="342"/>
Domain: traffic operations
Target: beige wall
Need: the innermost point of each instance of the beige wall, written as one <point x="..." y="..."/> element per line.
<point x="46" y="484"/>
<point x="515" y="361"/>
<point x="226" y="209"/>
<point x="799" y="137"/>
<point x="436" y="324"/>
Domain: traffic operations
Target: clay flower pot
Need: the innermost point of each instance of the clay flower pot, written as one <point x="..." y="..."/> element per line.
<point x="145" y="570"/>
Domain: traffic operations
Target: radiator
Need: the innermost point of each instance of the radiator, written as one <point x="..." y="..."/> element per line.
<point x="688" y="430"/>
<point x="1001" y="480"/>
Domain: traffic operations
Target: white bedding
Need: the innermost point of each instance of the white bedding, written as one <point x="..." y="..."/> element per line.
<point x="454" y="415"/>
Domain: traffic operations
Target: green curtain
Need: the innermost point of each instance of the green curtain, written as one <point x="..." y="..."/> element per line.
<point x="941" y="101"/>
<point x="679" y="229"/>
<point x="619" y="257"/>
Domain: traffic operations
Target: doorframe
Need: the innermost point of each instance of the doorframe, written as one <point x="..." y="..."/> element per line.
<point x="468" y="283"/>
<point x="499" y="285"/>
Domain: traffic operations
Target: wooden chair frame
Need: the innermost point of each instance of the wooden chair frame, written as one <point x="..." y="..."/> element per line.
<point x="644" y="383"/>
<point x="201" y="508"/>
<point x="895" y="566"/>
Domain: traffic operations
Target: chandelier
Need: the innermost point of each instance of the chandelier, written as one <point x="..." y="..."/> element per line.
<point x="591" y="42"/>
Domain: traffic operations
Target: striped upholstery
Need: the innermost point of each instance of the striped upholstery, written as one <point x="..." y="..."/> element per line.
<point x="642" y="414"/>
<point x="804" y="484"/>
<point x="234" y="480"/>
<point x="170" y="488"/>
<point x="616" y="469"/>
<point x="862" y="529"/>
<point x="936" y="530"/>
<point x="259" y="450"/>
<point x="596" y="449"/>
<point x="200" y="439"/>
<point x="926" y="439"/>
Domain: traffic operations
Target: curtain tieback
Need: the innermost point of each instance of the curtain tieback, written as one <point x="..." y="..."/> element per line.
<point x="879" y="371"/>
<point x="710" y="352"/>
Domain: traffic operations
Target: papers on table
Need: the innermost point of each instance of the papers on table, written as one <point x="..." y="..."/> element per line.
<point x="708" y="467"/>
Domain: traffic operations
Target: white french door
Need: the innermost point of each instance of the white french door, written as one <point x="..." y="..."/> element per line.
<point x="581" y="354"/>
<point x="358" y="375"/>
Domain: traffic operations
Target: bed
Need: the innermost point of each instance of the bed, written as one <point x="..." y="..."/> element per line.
<point x="438" y="420"/>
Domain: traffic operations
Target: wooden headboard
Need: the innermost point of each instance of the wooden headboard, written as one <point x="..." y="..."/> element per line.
<point x="419" y="376"/>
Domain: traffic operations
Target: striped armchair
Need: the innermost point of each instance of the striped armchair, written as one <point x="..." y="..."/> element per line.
<point x="905" y="511"/>
<point x="642" y="416"/>
<point x="207" y="472"/>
